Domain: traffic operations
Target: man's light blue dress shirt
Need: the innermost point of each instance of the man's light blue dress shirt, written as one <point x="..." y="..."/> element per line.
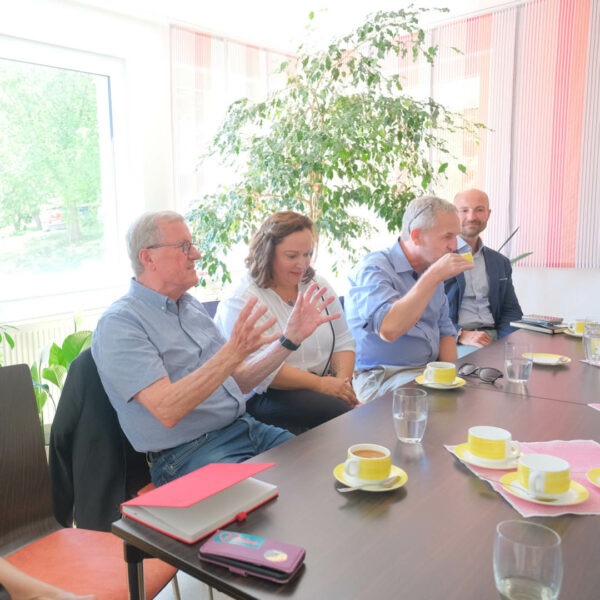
<point x="379" y="280"/>
<point x="145" y="336"/>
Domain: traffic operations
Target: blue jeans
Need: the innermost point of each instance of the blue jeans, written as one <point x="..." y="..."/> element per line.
<point x="244" y="438"/>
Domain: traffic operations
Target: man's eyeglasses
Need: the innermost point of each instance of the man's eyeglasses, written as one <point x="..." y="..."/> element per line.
<point x="486" y="374"/>
<point x="186" y="247"/>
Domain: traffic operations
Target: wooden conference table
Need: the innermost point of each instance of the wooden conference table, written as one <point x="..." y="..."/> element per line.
<point x="430" y="539"/>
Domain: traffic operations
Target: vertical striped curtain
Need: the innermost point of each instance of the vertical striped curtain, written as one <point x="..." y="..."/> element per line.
<point x="208" y="74"/>
<point x="531" y="73"/>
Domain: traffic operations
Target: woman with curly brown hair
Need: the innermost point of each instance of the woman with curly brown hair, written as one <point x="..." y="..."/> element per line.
<point x="314" y="384"/>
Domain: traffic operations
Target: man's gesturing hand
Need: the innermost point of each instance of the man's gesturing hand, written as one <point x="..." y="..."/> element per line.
<point x="246" y="336"/>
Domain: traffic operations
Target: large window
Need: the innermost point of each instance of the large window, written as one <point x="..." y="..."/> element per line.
<point x="57" y="182"/>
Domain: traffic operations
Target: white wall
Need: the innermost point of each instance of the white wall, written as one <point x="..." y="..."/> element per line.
<point x="568" y="293"/>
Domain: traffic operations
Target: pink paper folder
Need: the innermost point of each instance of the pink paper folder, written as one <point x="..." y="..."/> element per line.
<point x="582" y="456"/>
<point x="197" y="504"/>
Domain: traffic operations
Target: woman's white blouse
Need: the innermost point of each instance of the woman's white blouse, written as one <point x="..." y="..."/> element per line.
<point x="314" y="351"/>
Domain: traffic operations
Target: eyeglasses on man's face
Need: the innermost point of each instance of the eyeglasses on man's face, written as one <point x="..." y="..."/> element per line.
<point x="486" y="374"/>
<point x="186" y="246"/>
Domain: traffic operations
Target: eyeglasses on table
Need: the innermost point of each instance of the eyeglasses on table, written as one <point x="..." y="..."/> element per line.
<point x="486" y="374"/>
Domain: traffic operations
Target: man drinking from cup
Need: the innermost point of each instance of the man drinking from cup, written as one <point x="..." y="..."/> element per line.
<point x="396" y="307"/>
<point x="482" y="301"/>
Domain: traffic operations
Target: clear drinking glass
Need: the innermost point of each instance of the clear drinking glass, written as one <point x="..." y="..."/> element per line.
<point x="591" y="343"/>
<point x="518" y="361"/>
<point x="527" y="561"/>
<point x="410" y="408"/>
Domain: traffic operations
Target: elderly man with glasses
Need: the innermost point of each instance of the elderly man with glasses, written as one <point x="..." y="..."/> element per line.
<point x="396" y="307"/>
<point x="178" y="386"/>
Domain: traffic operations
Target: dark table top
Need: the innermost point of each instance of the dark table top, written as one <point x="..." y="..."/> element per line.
<point x="574" y="382"/>
<point x="430" y="539"/>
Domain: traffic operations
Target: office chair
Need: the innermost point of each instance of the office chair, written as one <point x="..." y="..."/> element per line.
<point x="79" y="560"/>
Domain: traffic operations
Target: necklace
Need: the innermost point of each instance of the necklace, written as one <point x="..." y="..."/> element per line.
<point x="285" y="297"/>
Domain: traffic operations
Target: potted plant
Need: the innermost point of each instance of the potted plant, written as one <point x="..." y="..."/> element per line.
<point x="341" y="138"/>
<point x="50" y="372"/>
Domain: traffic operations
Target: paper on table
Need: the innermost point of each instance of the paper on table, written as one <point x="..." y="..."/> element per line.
<point x="582" y="456"/>
<point x="596" y="406"/>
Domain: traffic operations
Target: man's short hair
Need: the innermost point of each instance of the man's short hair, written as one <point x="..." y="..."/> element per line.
<point x="144" y="232"/>
<point x="421" y="213"/>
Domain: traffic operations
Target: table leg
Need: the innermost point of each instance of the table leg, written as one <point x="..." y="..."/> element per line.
<point x="135" y="571"/>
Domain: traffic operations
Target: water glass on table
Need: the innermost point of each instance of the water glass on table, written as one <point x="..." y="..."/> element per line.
<point x="518" y="361"/>
<point x="410" y="409"/>
<point x="527" y="561"/>
<point x="591" y="343"/>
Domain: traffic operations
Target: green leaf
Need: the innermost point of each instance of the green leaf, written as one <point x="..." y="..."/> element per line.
<point x="73" y="344"/>
<point x="55" y="374"/>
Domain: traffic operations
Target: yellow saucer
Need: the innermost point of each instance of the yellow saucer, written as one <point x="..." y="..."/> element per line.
<point x="594" y="476"/>
<point x="573" y="333"/>
<point x="338" y="473"/>
<point x="576" y="494"/>
<point x="461" y="451"/>
<point x="458" y="382"/>
<point x="548" y="360"/>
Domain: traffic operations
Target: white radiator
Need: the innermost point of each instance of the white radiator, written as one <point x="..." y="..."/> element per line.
<point x="33" y="337"/>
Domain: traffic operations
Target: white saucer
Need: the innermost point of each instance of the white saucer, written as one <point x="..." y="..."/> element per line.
<point x="573" y="333"/>
<point x="576" y="494"/>
<point x="463" y="454"/>
<point x="458" y="382"/>
<point x="338" y="473"/>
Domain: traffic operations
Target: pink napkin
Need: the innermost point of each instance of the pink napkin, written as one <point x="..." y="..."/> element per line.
<point x="582" y="455"/>
<point x="596" y="406"/>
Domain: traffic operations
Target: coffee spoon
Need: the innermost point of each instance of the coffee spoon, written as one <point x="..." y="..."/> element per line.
<point x="385" y="483"/>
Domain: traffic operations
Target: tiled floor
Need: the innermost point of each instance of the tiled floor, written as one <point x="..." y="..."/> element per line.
<point x="190" y="589"/>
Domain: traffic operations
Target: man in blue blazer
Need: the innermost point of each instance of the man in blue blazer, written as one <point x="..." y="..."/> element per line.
<point x="482" y="301"/>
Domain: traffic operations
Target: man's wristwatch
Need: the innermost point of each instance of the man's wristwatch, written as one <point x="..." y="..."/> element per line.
<point x="288" y="343"/>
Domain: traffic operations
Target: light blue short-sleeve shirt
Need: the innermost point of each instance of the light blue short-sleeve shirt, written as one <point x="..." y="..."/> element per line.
<point x="145" y="336"/>
<point x="376" y="283"/>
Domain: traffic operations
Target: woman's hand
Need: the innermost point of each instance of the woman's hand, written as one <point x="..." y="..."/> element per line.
<point x="307" y="314"/>
<point x="340" y="388"/>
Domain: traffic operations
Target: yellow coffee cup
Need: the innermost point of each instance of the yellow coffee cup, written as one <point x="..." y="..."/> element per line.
<point x="577" y="325"/>
<point x="492" y="443"/>
<point x="544" y="475"/>
<point x="367" y="463"/>
<point x="440" y="372"/>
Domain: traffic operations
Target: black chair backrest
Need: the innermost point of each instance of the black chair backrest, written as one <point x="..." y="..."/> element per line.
<point x="25" y="501"/>
<point x="92" y="464"/>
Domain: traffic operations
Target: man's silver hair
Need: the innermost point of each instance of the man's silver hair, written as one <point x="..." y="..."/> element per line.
<point x="144" y="232"/>
<point x="421" y="213"/>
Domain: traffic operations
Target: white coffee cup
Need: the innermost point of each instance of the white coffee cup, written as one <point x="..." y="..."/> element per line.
<point x="367" y="464"/>
<point x="543" y="475"/>
<point x="577" y="325"/>
<point x="440" y="372"/>
<point x="492" y="444"/>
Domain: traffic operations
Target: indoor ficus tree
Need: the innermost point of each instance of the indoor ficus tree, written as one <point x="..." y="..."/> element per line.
<point x="340" y="139"/>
